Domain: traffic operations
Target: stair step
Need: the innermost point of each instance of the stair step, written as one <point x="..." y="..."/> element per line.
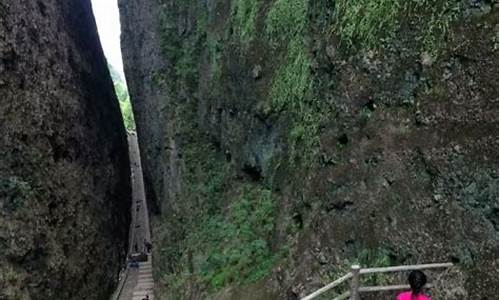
<point x="151" y="297"/>
<point x="145" y="273"/>
<point x="142" y="293"/>
<point x="145" y="267"/>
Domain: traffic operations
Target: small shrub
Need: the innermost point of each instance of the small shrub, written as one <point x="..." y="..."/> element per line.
<point x="379" y="257"/>
<point x="234" y="249"/>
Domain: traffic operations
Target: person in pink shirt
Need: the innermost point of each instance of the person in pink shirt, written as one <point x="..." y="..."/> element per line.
<point x="417" y="280"/>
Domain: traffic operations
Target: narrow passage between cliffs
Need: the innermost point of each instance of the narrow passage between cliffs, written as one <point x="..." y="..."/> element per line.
<point x="136" y="279"/>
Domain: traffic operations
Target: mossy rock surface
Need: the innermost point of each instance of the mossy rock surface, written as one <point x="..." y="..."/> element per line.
<point x="373" y="124"/>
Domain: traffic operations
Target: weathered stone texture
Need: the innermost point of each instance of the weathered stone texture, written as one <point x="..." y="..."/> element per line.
<point x="64" y="174"/>
<point x="406" y="167"/>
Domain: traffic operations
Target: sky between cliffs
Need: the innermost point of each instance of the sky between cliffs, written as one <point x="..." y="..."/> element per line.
<point x="108" y="24"/>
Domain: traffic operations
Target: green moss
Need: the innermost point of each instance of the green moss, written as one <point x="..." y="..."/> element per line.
<point x="245" y="14"/>
<point x="214" y="52"/>
<point x="291" y="92"/>
<point x="286" y="20"/>
<point x="233" y="248"/>
<point x="219" y="240"/>
<point x="221" y="246"/>
<point x="292" y="82"/>
<point x="186" y="67"/>
<point x="371" y="24"/>
<point x="437" y="21"/>
<point x="378" y="257"/>
<point x="366" y="21"/>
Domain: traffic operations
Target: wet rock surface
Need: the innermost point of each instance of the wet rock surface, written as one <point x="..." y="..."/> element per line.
<point x="64" y="172"/>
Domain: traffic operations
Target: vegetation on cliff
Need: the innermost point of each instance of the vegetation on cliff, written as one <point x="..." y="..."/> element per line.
<point x="306" y="119"/>
<point x="123" y="98"/>
<point x="373" y="24"/>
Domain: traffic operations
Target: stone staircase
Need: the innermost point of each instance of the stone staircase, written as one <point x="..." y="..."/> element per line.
<point x="145" y="282"/>
<point x="137" y="283"/>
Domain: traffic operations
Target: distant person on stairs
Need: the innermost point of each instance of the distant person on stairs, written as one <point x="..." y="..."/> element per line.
<point x="147" y="246"/>
<point x="133" y="263"/>
<point x="417" y="281"/>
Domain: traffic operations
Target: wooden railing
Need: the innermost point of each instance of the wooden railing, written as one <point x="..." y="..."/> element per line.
<point x="355" y="276"/>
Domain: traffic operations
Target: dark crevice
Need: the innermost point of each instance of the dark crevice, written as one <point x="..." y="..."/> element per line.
<point x="253" y="172"/>
<point x="298" y="220"/>
<point x="59" y="151"/>
<point x="340" y="206"/>
<point x="42" y="8"/>
<point x="343" y="139"/>
<point x="370" y="105"/>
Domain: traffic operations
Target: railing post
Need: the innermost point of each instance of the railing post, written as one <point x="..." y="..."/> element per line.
<point x="355" y="282"/>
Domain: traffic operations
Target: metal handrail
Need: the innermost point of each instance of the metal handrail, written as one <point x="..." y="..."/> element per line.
<point x="328" y="287"/>
<point x="346" y="295"/>
<point x="383" y="288"/>
<point x="356" y="271"/>
<point x="406" y="268"/>
<point x="343" y="296"/>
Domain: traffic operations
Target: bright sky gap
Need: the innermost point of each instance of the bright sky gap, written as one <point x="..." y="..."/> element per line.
<point x="108" y="24"/>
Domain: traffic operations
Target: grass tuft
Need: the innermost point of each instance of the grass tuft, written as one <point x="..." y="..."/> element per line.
<point x="367" y="22"/>
<point x="245" y="14"/>
<point x="292" y="82"/>
<point x="286" y="20"/>
<point x="234" y="248"/>
<point x="370" y="24"/>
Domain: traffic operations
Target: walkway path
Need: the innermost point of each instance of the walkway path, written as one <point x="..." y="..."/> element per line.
<point x="137" y="283"/>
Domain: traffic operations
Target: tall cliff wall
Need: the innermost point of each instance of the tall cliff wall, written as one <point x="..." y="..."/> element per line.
<point x="142" y="62"/>
<point x="286" y="139"/>
<point x="64" y="174"/>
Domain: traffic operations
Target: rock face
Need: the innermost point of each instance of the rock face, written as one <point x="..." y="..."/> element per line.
<point x="64" y="173"/>
<point x="285" y="140"/>
<point x="143" y="63"/>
